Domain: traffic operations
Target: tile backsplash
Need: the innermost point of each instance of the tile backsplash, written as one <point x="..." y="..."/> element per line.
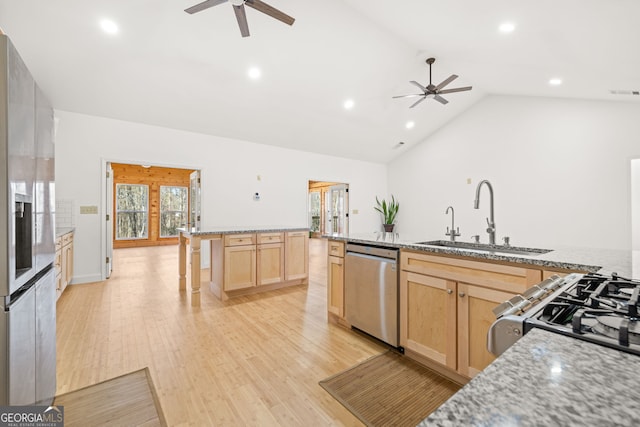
<point x="64" y="213"/>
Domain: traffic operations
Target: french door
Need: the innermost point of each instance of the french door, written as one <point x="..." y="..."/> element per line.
<point x="337" y="209"/>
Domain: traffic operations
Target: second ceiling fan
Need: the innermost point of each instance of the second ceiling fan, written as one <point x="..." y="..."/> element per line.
<point x="432" y="91"/>
<point x="241" y="16"/>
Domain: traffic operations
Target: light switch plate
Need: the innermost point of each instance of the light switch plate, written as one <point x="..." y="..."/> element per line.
<point x="88" y="210"/>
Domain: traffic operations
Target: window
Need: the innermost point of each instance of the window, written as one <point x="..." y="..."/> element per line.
<point x="314" y="211"/>
<point x="173" y="210"/>
<point x="132" y="206"/>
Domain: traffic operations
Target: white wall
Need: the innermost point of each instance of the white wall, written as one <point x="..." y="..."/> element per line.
<point x="229" y="178"/>
<point x="560" y="170"/>
<point x="635" y="204"/>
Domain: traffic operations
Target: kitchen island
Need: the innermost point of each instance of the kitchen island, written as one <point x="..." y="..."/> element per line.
<point x="548" y="379"/>
<point x="244" y="259"/>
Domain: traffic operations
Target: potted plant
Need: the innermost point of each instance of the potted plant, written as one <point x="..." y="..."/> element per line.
<point x="388" y="211"/>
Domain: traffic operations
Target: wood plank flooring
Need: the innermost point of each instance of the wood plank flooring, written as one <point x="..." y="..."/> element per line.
<point x="254" y="360"/>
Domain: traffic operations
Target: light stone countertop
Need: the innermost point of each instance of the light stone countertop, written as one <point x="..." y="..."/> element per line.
<point x="204" y="230"/>
<point x="548" y="379"/>
<point x="603" y="261"/>
<point x="61" y="231"/>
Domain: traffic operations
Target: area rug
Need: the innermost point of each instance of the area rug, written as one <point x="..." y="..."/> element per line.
<point x="129" y="400"/>
<point x="390" y="390"/>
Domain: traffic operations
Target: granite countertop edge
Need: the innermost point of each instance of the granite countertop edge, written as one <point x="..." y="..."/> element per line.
<point x="61" y="231"/>
<point x="240" y="230"/>
<point x="592" y="260"/>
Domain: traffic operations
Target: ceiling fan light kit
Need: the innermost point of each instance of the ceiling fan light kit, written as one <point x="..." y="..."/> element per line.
<point x="239" y="10"/>
<point x="432" y="91"/>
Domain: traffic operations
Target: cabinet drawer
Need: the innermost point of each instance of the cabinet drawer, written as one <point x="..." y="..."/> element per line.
<point x="67" y="238"/>
<point x="336" y="248"/>
<point x="58" y="243"/>
<point x="508" y="278"/>
<point x="239" y="239"/>
<point x="270" y="238"/>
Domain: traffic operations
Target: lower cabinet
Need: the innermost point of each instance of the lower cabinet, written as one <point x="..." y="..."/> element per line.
<point x="446" y="307"/>
<point x="335" y="279"/>
<point x="297" y="256"/>
<point x="63" y="263"/>
<point x="239" y="267"/>
<point x="335" y="286"/>
<point x="270" y="264"/>
<point x="245" y="261"/>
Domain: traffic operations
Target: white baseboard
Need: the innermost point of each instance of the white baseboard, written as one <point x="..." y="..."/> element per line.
<point x="88" y="278"/>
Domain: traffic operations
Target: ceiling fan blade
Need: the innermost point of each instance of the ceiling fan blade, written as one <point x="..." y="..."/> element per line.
<point x="241" y="16"/>
<point x="270" y="10"/>
<point x="418" y="101"/>
<point x="457" y="89"/>
<point x="408" y="96"/>
<point x="440" y="99"/>
<point x="204" y="5"/>
<point x="451" y="78"/>
<point x="413" y="82"/>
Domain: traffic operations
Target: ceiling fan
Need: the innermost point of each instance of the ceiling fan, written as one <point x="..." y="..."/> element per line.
<point x="238" y="8"/>
<point x="432" y="91"/>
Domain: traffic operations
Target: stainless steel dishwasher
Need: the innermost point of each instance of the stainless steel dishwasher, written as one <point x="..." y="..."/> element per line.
<point x="371" y="291"/>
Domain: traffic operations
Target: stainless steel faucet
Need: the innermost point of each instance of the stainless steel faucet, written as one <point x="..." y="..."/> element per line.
<point x="491" y="229"/>
<point x="453" y="233"/>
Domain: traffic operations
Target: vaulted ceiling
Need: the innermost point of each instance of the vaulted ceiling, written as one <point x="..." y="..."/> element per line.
<point x="168" y="68"/>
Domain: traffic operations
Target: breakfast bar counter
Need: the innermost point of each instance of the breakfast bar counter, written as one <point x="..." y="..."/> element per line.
<point x="279" y="243"/>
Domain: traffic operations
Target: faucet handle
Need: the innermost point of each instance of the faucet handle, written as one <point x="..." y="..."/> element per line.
<point x="506" y="240"/>
<point x="476" y="238"/>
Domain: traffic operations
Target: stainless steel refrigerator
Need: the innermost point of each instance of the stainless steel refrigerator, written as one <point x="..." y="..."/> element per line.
<point x="27" y="238"/>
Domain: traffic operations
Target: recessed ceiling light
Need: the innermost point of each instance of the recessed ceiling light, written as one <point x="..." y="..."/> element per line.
<point x="109" y="26"/>
<point x="555" y="81"/>
<point x="254" y="73"/>
<point x="410" y="125"/>
<point x="348" y="104"/>
<point x="507" y="27"/>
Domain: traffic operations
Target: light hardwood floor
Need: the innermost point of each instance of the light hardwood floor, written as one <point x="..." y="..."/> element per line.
<point x="254" y="360"/>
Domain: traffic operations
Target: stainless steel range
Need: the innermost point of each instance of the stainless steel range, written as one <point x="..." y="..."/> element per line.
<point x="591" y="307"/>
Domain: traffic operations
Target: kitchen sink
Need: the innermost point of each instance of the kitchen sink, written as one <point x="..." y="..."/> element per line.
<point x="482" y="247"/>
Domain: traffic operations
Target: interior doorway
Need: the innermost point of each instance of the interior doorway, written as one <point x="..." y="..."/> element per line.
<point x="328" y="208"/>
<point x="146" y="205"/>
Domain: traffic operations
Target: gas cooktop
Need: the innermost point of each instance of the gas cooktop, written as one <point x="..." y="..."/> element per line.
<point x="591" y="307"/>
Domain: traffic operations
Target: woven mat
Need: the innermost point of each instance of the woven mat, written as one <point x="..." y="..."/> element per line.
<point x="128" y="400"/>
<point x="390" y="390"/>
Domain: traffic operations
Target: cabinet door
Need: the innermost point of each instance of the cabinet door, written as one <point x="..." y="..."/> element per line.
<point x="270" y="263"/>
<point x="335" y="286"/>
<point x="239" y="267"/>
<point x="428" y="317"/>
<point x="475" y="316"/>
<point x="297" y="259"/>
<point x="69" y="264"/>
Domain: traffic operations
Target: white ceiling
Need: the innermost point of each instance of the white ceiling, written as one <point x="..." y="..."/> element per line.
<point x="168" y="68"/>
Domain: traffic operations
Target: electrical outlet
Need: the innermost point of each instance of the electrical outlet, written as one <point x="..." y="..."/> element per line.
<point x="468" y="180"/>
<point x="88" y="210"/>
<point x="355" y="211"/>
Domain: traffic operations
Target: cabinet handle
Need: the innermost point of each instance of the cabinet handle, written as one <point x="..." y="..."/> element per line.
<point x="449" y="291"/>
<point x="461" y="294"/>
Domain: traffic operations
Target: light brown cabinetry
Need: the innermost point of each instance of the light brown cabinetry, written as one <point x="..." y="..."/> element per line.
<point x="297" y="256"/>
<point x="446" y="307"/>
<point x="239" y="267"/>
<point x="63" y="262"/>
<point x="270" y="258"/>
<point x="335" y="279"/>
<point x="242" y="263"/>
